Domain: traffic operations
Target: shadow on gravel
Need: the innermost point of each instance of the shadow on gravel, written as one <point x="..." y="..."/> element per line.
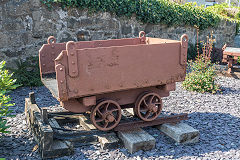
<point x="218" y="132"/>
<point x="228" y="90"/>
<point x="13" y="147"/>
<point x="42" y="95"/>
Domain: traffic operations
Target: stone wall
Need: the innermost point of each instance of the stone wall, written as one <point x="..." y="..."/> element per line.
<point x="26" y="24"/>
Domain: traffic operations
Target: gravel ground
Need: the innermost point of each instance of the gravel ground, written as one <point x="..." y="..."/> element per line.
<point x="217" y="117"/>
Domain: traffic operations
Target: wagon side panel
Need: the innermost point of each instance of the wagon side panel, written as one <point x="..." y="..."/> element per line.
<point x="47" y="55"/>
<point x="103" y="70"/>
<point x="50" y="51"/>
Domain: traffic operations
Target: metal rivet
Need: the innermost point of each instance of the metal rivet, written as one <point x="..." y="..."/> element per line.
<point x="61" y="69"/>
<point x="61" y="81"/>
<point x="53" y="52"/>
<point x="73" y="71"/>
<point x="52" y="46"/>
<point x="75" y="91"/>
<point x="72" y="54"/>
<point x="43" y="55"/>
<point x="44" y="64"/>
<point x="73" y="62"/>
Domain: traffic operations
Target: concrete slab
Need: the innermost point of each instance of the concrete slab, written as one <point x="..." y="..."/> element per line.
<point x="136" y="140"/>
<point x="181" y="132"/>
<point x="109" y="141"/>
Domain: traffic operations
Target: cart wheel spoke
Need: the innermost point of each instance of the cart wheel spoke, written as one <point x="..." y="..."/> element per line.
<point x="99" y="112"/>
<point x="99" y="120"/>
<point x="151" y="99"/>
<point x="143" y="109"/>
<point x="105" y="124"/>
<point x="147" y="114"/>
<point x="106" y="108"/>
<point x="148" y="106"/>
<point x="102" y="112"/>
<point x="113" y="110"/>
<point x="145" y="103"/>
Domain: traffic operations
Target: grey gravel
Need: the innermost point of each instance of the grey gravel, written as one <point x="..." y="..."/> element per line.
<point x="217" y="117"/>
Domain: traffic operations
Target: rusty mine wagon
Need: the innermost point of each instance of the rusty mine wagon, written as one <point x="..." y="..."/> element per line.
<point x="105" y="76"/>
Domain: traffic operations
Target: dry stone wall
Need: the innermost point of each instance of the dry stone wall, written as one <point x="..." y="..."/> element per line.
<point x="26" y="24"/>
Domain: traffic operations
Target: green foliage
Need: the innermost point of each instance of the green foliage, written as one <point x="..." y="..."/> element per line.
<point x="202" y="76"/>
<point x="6" y="84"/>
<point x="238" y="60"/>
<point x="231" y="13"/>
<point x="27" y="72"/>
<point x="225" y="11"/>
<point x="192" y="51"/>
<point x="148" y="11"/>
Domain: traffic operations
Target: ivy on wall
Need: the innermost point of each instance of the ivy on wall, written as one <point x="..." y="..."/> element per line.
<point x="148" y="11"/>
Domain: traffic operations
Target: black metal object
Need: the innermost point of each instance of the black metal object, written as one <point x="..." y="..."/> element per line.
<point x="158" y="121"/>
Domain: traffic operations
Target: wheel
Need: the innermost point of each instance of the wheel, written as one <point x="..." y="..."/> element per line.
<point x="106" y="115"/>
<point x="148" y="106"/>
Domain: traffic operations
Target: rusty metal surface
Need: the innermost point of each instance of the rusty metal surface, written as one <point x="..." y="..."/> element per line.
<point x="119" y="70"/>
<point x="148" y="106"/>
<point x="106" y="115"/>
<point x="49" y="52"/>
<point x="161" y="120"/>
<point x="110" y="69"/>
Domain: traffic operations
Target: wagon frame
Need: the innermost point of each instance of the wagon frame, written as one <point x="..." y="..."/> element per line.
<point x="105" y="76"/>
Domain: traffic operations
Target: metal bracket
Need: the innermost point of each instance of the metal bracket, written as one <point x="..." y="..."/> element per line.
<point x="184" y="48"/>
<point x="72" y="59"/>
<point x="142" y="36"/>
<point x="62" y="84"/>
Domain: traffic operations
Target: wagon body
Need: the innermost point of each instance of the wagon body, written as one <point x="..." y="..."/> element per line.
<point x="80" y="73"/>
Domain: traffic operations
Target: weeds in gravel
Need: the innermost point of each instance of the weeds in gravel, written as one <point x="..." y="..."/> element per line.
<point x="27" y="72"/>
<point x="203" y="73"/>
<point x="6" y="84"/>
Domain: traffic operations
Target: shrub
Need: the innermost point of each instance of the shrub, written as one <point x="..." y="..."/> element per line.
<point x="6" y="84"/>
<point x="27" y="72"/>
<point x="202" y="75"/>
<point x="150" y="11"/>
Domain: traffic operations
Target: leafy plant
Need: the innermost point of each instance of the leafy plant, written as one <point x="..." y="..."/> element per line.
<point x="150" y="11"/>
<point x="6" y="84"/>
<point x="203" y="73"/>
<point x="27" y="72"/>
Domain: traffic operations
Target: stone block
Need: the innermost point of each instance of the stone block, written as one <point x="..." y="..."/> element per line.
<point x="136" y="140"/>
<point x="180" y="132"/>
<point x="109" y="141"/>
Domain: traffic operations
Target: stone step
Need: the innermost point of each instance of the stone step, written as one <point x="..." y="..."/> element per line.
<point x="136" y="140"/>
<point x="109" y="141"/>
<point x="180" y="132"/>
